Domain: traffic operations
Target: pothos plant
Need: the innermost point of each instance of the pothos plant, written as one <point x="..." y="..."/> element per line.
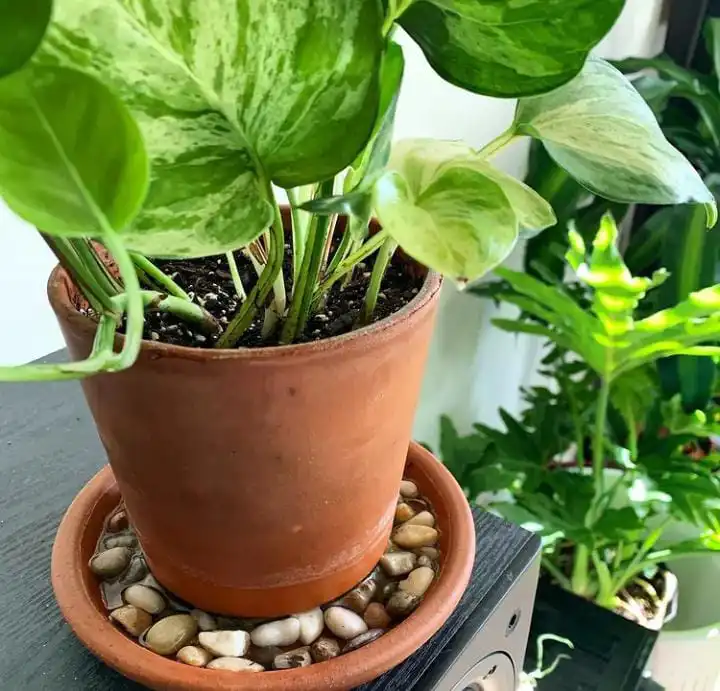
<point x="594" y="465"/>
<point x="158" y="128"/>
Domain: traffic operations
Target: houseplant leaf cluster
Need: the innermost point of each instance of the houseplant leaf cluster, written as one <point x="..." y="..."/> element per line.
<point x="598" y="464"/>
<point x="227" y="101"/>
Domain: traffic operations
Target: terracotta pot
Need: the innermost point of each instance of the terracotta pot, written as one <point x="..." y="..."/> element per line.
<point x="260" y="482"/>
<point x="77" y="592"/>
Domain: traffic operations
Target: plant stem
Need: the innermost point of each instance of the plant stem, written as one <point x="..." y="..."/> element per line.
<point x="581" y="568"/>
<point x="300" y="227"/>
<point x="237" y="281"/>
<point x="156" y="301"/>
<point x="382" y="261"/>
<point x="260" y="292"/>
<point x="302" y="303"/>
<point x="599" y="439"/>
<point x="135" y="312"/>
<point x="350" y="262"/>
<point x="89" y="257"/>
<point x="562" y="580"/>
<point x="159" y="277"/>
<point x="500" y="142"/>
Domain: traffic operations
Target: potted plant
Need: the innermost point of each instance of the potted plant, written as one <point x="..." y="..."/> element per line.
<point x="258" y="414"/>
<point x="597" y="464"/>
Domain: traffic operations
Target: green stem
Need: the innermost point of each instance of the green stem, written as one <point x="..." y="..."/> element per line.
<point x="639" y="561"/>
<point x="237" y="281"/>
<point x="302" y="303"/>
<point x="345" y="245"/>
<point x="158" y="276"/>
<point x="562" y="580"/>
<point x="396" y="8"/>
<point x="581" y="568"/>
<point x="300" y="228"/>
<point x="135" y="313"/>
<point x="599" y="441"/>
<point x="98" y="269"/>
<point x="260" y="292"/>
<point x="500" y="142"/>
<point x="350" y="262"/>
<point x="382" y="261"/>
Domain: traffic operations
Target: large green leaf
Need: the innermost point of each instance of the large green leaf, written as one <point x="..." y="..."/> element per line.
<point x="22" y="26"/>
<point x="63" y="167"/>
<point x="445" y="212"/>
<point x="229" y="96"/>
<point x="601" y="131"/>
<point x="509" y="48"/>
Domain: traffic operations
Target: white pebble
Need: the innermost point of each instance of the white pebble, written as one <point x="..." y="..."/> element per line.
<point x="344" y="623"/>
<point x="194" y="656"/>
<point x="312" y="624"/>
<point x="225" y="643"/>
<point x="280" y="633"/>
<point x="418" y="582"/>
<point x="145" y="598"/>
<point x="423" y="518"/>
<point x="408" y="489"/>
<point x="412" y="536"/>
<point x="235" y="664"/>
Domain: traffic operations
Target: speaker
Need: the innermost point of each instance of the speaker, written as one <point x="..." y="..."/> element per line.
<point x="482" y="646"/>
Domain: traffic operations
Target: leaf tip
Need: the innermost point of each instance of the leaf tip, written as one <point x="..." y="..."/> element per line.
<point x="711" y="211"/>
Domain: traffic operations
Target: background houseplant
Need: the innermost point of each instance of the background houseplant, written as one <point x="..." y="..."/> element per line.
<point x="602" y="529"/>
<point x="186" y="89"/>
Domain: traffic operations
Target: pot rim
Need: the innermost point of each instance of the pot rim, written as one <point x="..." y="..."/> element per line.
<point x="70" y="580"/>
<point x="60" y="287"/>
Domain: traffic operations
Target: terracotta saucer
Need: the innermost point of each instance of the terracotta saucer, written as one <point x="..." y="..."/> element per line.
<point x="77" y="593"/>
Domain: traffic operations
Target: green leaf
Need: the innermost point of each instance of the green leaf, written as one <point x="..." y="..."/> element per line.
<point x="60" y="166"/>
<point x="655" y="90"/>
<point x="712" y="35"/>
<point x="601" y="131"/>
<point x="229" y="96"/>
<point x="22" y="27"/>
<point x="507" y="48"/>
<point x="443" y="211"/>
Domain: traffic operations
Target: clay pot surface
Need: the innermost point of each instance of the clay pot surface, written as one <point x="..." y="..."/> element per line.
<point x="77" y="592"/>
<point x="263" y="481"/>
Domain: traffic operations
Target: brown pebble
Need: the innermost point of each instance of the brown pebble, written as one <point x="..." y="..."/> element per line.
<point x="418" y="582"/>
<point x="401" y="604"/>
<point x="264" y="656"/>
<point x="387" y="591"/>
<point x="194" y="655"/>
<point x="300" y="657"/>
<point x="424" y="561"/>
<point x="133" y="619"/>
<point x="324" y="649"/>
<point x="376" y="617"/>
<point x="120" y="541"/>
<point x="430" y="552"/>
<point x="168" y="635"/>
<point x="423" y="518"/>
<point x="413" y="536"/>
<point x="360" y="596"/>
<point x="403" y="512"/>
<point x="118" y="522"/>
<point x="362" y="639"/>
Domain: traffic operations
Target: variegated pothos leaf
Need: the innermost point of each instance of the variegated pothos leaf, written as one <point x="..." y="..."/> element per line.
<point x="230" y="95"/>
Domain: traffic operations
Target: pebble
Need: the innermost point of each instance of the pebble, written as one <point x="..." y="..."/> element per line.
<point x="120" y="541"/>
<point x="145" y="598"/>
<point x="423" y="518"/>
<point x="360" y="596"/>
<point x="376" y="617"/>
<point x="312" y="624"/>
<point x="412" y="536"/>
<point x="324" y="649"/>
<point x="150" y="582"/>
<point x="264" y="656"/>
<point x="430" y="552"/>
<point x="194" y="655"/>
<point x="344" y="623"/>
<point x="424" y="561"/>
<point x="398" y="563"/>
<point x="167" y="636"/>
<point x="403" y="513"/>
<point x="111" y="562"/>
<point x="132" y="619"/>
<point x="205" y="621"/>
<point x="293" y="659"/>
<point x="418" y="582"/>
<point x="137" y="570"/>
<point x="408" y="489"/>
<point x="387" y="591"/>
<point x="401" y="603"/>
<point x="118" y="522"/>
<point x="362" y="639"/>
<point x="282" y="632"/>
<point x="225" y="643"/>
<point x="235" y="664"/>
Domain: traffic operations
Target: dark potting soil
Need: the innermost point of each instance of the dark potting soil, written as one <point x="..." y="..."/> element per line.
<point x="209" y="283"/>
